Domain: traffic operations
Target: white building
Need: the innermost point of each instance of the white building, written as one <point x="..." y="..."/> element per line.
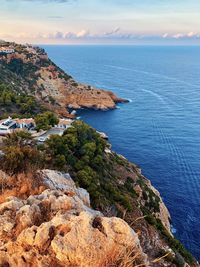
<point x="7" y="126"/>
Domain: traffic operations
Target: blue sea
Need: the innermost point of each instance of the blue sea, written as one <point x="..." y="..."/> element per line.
<point x="159" y="129"/>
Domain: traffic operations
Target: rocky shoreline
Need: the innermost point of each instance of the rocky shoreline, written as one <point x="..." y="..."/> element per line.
<point x="107" y="101"/>
<point x="30" y="70"/>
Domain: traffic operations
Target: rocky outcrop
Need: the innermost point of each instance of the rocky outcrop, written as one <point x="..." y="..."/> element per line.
<point x="71" y="94"/>
<point x="164" y="214"/>
<point x="58" y="228"/>
<point x="62" y="181"/>
<point x="45" y="220"/>
<point x="31" y="71"/>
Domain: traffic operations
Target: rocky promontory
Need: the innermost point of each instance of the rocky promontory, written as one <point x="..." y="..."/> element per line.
<point x="31" y="71"/>
<point x="57" y="227"/>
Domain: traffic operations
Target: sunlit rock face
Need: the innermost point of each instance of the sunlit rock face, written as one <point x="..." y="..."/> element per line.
<point x="49" y="84"/>
<point x="57" y="227"/>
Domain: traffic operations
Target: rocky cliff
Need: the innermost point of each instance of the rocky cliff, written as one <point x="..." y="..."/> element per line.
<point x="45" y="220"/>
<point x="30" y="70"/>
<point x="116" y="187"/>
<point x="57" y="227"/>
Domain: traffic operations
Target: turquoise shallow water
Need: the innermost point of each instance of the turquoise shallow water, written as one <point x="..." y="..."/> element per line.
<point x="160" y="128"/>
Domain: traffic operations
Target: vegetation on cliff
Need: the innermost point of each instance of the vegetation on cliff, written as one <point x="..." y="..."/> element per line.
<point x="14" y="103"/>
<point x="115" y="185"/>
<point x="29" y="70"/>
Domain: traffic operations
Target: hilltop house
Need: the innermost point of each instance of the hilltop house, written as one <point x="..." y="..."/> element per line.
<point x="9" y="125"/>
<point x="25" y="123"/>
<point x="58" y="129"/>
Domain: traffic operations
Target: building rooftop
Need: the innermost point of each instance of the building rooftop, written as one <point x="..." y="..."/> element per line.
<point x="25" y="121"/>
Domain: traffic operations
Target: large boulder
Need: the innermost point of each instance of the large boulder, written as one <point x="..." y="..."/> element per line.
<point x="58" y="228"/>
<point x="62" y="181"/>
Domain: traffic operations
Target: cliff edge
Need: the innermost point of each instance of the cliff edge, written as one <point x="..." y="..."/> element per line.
<point x="29" y="70"/>
<point x="57" y="227"/>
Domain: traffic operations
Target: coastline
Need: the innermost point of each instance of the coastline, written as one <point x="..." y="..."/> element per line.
<point x="79" y="96"/>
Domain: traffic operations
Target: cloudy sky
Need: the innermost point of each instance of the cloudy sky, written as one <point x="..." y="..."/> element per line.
<point x="101" y="21"/>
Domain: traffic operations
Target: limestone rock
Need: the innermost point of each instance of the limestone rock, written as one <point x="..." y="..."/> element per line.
<point x="58" y="228"/>
<point x="57" y="180"/>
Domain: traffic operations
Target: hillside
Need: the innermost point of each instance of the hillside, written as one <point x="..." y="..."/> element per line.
<point x="15" y="104"/>
<point x="29" y="70"/>
<point x="116" y="187"/>
<point x="71" y="200"/>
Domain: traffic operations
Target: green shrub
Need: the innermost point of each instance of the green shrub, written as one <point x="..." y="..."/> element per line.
<point x="12" y="102"/>
<point x="175" y="244"/>
<point x="46" y="120"/>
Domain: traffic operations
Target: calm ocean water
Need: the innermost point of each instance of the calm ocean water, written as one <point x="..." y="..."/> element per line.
<point x="160" y="128"/>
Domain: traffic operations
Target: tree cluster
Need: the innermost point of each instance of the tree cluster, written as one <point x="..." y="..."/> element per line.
<point x="46" y="120"/>
<point x="20" y="153"/>
<point x="13" y="102"/>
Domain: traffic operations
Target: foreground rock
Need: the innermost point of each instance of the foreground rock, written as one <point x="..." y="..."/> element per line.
<point x="58" y="228"/>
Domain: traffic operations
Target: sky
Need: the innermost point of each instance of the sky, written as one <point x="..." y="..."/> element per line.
<point x="100" y="21"/>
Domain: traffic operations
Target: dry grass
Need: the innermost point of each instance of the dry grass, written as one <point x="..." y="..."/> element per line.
<point x="126" y="257"/>
<point x="22" y="185"/>
<point x="3" y="180"/>
<point x="116" y="256"/>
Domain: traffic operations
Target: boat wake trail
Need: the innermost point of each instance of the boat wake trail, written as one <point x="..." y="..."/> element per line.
<point x="154" y="75"/>
<point x="158" y="96"/>
<point x="190" y="177"/>
<point x="188" y="185"/>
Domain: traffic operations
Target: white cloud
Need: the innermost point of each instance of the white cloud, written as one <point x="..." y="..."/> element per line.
<point x="189" y="35"/>
<point x="85" y="35"/>
<point x="82" y="34"/>
<point x="178" y="35"/>
<point x="66" y="35"/>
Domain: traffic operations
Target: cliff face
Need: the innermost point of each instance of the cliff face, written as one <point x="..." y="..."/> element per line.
<point x="57" y="227"/>
<point x="47" y="221"/>
<point x="30" y="70"/>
